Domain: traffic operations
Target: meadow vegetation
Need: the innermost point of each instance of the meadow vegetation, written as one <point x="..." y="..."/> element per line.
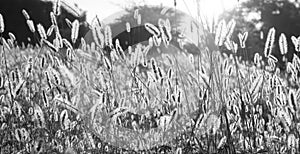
<point x="55" y="98"/>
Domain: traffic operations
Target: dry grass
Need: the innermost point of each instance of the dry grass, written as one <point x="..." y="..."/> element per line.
<point x="86" y="102"/>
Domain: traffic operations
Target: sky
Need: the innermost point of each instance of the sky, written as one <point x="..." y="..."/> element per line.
<point x="105" y="8"/>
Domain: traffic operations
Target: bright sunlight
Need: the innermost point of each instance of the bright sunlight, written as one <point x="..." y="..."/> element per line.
<point x="212" y="9"/>
<point x="104" y="8"/>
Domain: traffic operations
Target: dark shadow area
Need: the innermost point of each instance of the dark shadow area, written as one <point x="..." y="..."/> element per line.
<point x="39" y="12"/>
<point x="257" y="17"/>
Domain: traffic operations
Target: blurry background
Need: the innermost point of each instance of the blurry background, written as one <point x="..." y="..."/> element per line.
<point x="254" y="16"/>
<point x="86" y="10"/>
<point x="105" y="8"/>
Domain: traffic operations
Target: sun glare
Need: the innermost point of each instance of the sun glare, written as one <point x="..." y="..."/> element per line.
<point x="212" y="9"/>
<point x="209" y="8"/>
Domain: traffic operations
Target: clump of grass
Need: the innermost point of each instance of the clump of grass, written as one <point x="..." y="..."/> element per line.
<point x="91" y="100"/>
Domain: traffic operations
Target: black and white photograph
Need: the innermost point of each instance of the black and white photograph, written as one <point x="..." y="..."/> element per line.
<point x="149" y="77"/>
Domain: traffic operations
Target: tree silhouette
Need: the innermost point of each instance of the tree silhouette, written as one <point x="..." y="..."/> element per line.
<point x="258" y="16"/>
<point x="180" y="23"/>
<point x="39" y="12"/>
<point x="149" y="14"/>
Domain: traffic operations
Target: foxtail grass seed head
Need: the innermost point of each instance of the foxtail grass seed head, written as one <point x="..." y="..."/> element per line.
<point x="136" y="13"/>
<point x="296" y="61"/>
<point x="137" y="54"/>
<point x="139" y="19"/>
<point x="68" y="22"/>
<point x="39" y="116"/>
<point x="157" y="40"/>
<point x="67" y="43"/>
<point x="12" y="36"/>
<point x="191" y="59"/>
<point x="43" y="62"/>
<point x="83" y="44"/>
<point x="95" y="37"/>
<point x="292" y="100"/>
<point x="152" y="29"/>
<point x="290" y="68"/>
<point x="292" y="141"/>
<point x="101" y="37"/>
<point x="283" y="44"/>
<point x="58" y="41"/>
<point x="41" y="31"/>
<point x="25" y="14"/>
<point x="225" y="64"/>
<point x="108" y="36"/>
<point x="242" y="38"/>
<point x="272" y="64"/>
<point x="256" y="58"/>
<point x="222" y="142"/>
<point x="269" y="42"/>
<point x="64" y="117"/>
<point x="169" y="36"/>
<point x="234" y="47"/>
<point x="17" y="109"/>
<point x="178" y="96"/>
<point x="69" y="54"/>
<point x="167" y="93"/>
<point x="164" y="11"/>
<point x="98" y="36"/>
<point x="56" y="78"/>
<point x="119" y="49"/>
<point x="53" y="18"/>
<point x="49" y="82"/>
<point x="19" y="135"/>
<point x="10" y="43"/>
<point x="296" y="42"/>
<point x="154" y="65"/>
<point x="113" y="55"/>
<point x="230" y="29"/>
<point x="75" y="30"/>
<point x="128" y="27"/>
<point x="227" y="44"/>
<point x="97" y="22"/>
<point x="168" y="25"/>
<point x="50" y="30"/>
<point x="1" y="24"/>
<point x="50" y="45"/>
<point x="220" y="33"/>
<point x="146" y="49"/>
<point x="261" y="35"/>
<point x="107" y="64"/>
<point x="150" y="42"/>
<point x="255" y="86"/>
<point x="5" y="44"/>
<point x="31" y="25"/>
<point x="165" y="40"/>
<point x="129" y="50"/>
<point x="57" y="7"/>
<point x="273" y="58"/>
<point x="230" y="70"/>
<point x="160" y="72"/>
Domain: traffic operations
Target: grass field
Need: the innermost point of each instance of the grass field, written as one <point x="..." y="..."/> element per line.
<point x="58" y="99"/>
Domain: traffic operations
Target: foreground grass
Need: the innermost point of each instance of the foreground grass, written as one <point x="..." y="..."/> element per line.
<point x="79" y="101"/>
